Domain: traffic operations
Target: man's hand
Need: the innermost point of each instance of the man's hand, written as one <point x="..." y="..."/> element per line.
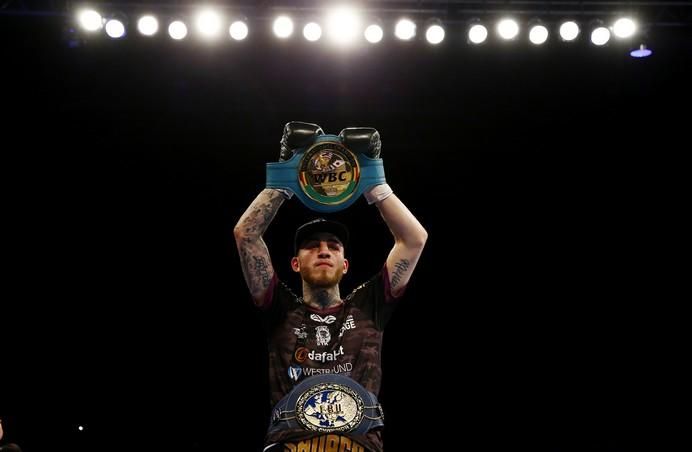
<point x="297" y="135"/>
<point x="366" y="141"/>
<point x="362" y="140"/>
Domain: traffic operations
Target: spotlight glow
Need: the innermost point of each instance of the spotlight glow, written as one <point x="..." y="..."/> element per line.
<point x="208" y="23"/>
<point x="600" y="36"/>
<point x="624" y="28"/>
<point x="148" y="25"/>
<point x="569" y="31"/>
<point x="343" y="25"/>
<point x="283" y="27"/>
<point x="374" y="33"/>
<point x="435" y="34"/>
<point x="478" y="34"/>
<point x="508" y="29"/>
<point x="238" y="30"/>
<point x="90" y="20"/>
<point x="538" y="34"/>
<point x="405" y="29"/>
<point x="312" y="31"/>
<point x="115" y="29"/>
<point x="177" y="30"/>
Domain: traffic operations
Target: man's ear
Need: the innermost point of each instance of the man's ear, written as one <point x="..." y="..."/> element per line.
<point x="345" y="266"/>
<point x="295" y="264"/>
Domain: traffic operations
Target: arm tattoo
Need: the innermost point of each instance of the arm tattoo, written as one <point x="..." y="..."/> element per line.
<point x="400" y="268"/>
<point x="254" y="256"/>
<point x="262" y="270"/>
<point x="260" y="214"/>
<point x="256" y="270"/>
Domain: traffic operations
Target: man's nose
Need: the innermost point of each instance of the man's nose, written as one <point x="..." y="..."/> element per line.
<point x="324" y="250"/>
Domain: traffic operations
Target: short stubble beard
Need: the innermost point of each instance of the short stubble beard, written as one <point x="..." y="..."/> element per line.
<point x="323" y="280"/>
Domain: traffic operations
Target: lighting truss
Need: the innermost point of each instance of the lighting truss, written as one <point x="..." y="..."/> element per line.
<point x="650" y="13"/>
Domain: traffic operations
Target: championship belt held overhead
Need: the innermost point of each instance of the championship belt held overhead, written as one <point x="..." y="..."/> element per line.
<point x="327" y="172"/>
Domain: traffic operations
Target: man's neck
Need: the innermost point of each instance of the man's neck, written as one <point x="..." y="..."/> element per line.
<point x="321" y="297"/>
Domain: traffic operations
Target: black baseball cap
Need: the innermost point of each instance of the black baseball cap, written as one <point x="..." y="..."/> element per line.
<point x="318" y="225"/>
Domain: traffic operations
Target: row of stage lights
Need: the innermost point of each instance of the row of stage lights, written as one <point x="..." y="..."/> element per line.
<point x="343" y="26"/>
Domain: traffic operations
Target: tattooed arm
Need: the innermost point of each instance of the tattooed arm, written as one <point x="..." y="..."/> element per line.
<point x="254" y="255"/>
<point x="409" y="240"/>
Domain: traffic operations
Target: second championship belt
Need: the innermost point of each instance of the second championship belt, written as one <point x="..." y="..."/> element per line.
<point x="330" y="172"/>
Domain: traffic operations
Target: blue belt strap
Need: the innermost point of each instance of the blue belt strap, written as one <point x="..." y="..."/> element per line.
<point x="285" y="175"/>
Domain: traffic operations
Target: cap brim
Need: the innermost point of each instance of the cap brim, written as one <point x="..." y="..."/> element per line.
<point x="332" y="227"/>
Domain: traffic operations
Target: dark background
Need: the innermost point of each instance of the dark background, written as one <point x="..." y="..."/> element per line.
<point x="533" y="319"/>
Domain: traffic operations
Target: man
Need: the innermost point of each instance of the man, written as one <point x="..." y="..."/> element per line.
<point x="322" y="334"/>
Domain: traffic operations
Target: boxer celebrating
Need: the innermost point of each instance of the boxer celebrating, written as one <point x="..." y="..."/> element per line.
<point x="324" y="349"/>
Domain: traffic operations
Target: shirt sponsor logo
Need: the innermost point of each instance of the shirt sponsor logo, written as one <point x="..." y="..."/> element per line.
<point x="326" y="356"/>
<point x="294" y="372"/>
<point x="349" y="324"/>
<point x="301" y="354"/>
<point x="322" y="335"/>
<point x="328" y="320"/>
<point x="344" y="368"/>
<point x="300" y="332"/>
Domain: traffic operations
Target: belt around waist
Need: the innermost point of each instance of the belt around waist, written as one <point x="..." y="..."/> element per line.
<point x="328" y="403"/>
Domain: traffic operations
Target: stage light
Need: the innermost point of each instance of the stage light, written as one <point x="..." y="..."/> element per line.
<point x="600" y="35"/>
<point x="641" y="52"/>
<point x="508" y="29"/>
<point x="238" y="30"/>
<point x="208" y="24"/>
<point x="90" y="20"/>
<point x="283" y="27"/>
<point x="434" y="32"/>
<point x="538" y="33"/>
<point x="405" y="29"/>
<point x="477" y="33"/>
<point x="148" y="25"/>
<point x="177" y="30"/>
<point x="624" y="28"/>
<point x="374" y="33"/>
<point x="312" y="31"/>
<point x="343" y="25"/>
<point x="569" y="30"/>
<point x="115" y="28"/>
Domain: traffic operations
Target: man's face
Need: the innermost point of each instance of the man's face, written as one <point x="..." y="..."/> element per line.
<point x="320" y="260"/>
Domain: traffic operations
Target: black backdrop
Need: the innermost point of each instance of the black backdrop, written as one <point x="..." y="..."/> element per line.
<point x="537" y="172"/>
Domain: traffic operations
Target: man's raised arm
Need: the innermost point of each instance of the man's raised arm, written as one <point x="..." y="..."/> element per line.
<point x="254" y="255"/>
<point x="409" y="236"/>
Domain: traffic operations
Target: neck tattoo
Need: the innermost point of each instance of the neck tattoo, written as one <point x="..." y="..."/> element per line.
<point x="323" y="298"/>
